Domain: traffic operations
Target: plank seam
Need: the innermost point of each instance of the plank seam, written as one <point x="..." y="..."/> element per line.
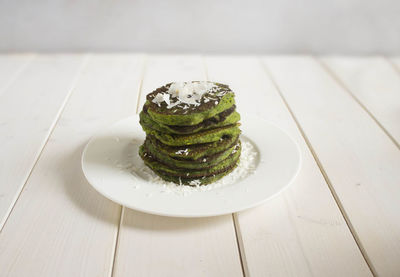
<point x="394" y="66"/>
<point x="355" y="98"/>
<point x="15" y="76"/>
<point x="240" y="246"/>
<point x="144" y="64"/>
<point x="43" y="146"/>
<point x="122" y="213"/>
<point x="117" y="238"/>
<point x="324" y="174"/>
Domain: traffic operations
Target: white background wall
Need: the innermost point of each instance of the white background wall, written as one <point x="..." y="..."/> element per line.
<point x="208" y="26"/>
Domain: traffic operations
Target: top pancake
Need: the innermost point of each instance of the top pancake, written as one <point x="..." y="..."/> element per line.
<point x="185" y="104"/>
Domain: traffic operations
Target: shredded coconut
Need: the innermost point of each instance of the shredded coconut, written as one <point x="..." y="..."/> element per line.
<point x="175" y="88"/>
<point x="180" y="152"/>
<point x="158" y="98"/>
<point x="184" y="92"/>
<point x="166" y="98"/>
<point x="195" y="183"/>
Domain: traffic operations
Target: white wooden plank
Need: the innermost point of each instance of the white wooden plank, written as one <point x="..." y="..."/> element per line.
<point x="10" y="68"/>
<point x="301" y="232"/>
<point x="60" y="226"/>
<point x="375" y="83"/>
<point x="159" y="246"/>
<point x="29" y="108"/>
<point x="361" y="162"/>
<point x="395" y="61"/>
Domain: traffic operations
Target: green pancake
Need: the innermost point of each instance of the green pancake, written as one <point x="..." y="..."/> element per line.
<point x="175" y="173"/>
<point x="205" y="162"/>
<point x="197" y="138"/>
<point x="227" y="117"/>
<point x="211" y="104"/>
<point x="197" y="151"/>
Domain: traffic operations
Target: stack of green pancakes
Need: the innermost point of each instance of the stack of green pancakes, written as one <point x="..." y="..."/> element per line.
<point x="192" y="132"/>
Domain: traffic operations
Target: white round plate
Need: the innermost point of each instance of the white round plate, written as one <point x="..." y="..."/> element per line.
<point x="278" y="162"/>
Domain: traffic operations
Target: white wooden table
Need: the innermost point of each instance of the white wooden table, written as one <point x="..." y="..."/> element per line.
<point x="341" y="217"/>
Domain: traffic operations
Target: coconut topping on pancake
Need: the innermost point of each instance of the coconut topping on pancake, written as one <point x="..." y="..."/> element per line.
<point x="188" y="95"/>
